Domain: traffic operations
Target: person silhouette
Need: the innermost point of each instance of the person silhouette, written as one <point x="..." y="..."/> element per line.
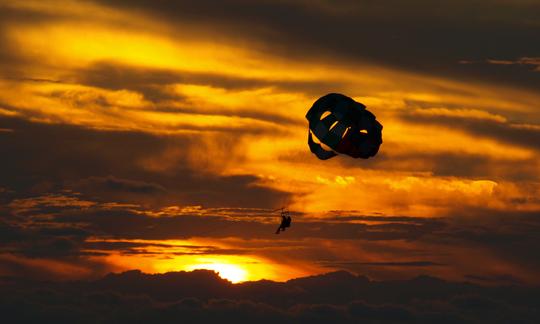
<point x="285" y="221"/>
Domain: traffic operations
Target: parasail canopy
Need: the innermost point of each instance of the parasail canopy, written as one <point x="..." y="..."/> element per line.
<point x="344" y="126"/>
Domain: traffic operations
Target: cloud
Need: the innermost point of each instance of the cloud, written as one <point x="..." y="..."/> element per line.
<point x="67" y="228"/>
<point x="390" y="264"/>
<point x="499" y="130"/>
<point x="27" y="237"/>
<point x="148" y="247"/>
<point x="122" y="185"/>
<point x="390" y="34"/>
<point x="153" y="82"/>
<point x="103" y="163"/>
<point x="451" y="164"/>
<point x="201" y="297"/>
<point x="39" y="230"/>
<point x="494" y="279"/>
<point x="532" y="62"/>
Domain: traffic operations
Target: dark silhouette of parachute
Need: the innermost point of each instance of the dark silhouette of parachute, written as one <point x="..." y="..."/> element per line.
<point x="345" y="126"/>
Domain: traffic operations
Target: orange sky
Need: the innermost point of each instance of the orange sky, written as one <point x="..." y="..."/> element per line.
<point x="454" y="147"/>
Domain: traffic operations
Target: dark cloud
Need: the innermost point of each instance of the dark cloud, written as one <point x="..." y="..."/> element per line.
<point x="497" y="279"/>
<point x="42" y="240"/>
<point x="110" y="164"/>
<point x="388" y="264"/>
<point x="202" y="297"/>
<point x="121" y="185"/>
<point x="134" y="223"/>
<point x="446" y="163"/>
<point x="507" y="132"/>
<point x="59" y="227"/>
<point x="143" y="248"/>
<point x="419" y="35"/>
<point x="393" y="269"/>
<point x="151" y="81"/>
<point x="502" y="235"/>
<point x="343" y="216"/>
<point x="456" y="164"/>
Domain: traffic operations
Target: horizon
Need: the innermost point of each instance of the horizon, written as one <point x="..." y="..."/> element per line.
<point x="480" y="282"/>
<point x="202" y="297"/>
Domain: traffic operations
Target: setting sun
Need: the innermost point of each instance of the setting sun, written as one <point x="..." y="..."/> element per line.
<point x="231" y="272"/>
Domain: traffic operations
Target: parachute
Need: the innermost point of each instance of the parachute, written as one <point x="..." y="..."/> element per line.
<point x="345" y="126"/>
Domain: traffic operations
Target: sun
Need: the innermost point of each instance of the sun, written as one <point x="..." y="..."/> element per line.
<point x="231" y="272"/>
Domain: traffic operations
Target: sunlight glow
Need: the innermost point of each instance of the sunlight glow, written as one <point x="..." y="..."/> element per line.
<point x="231" y="272"/>
<point x="188" y="255"/>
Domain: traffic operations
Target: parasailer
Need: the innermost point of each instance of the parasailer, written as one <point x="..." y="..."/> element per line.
<point x="285" y="220"/>
<point x="344" y="126"/>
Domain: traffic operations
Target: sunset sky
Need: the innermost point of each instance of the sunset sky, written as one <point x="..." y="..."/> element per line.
<point x="162" y="136"/>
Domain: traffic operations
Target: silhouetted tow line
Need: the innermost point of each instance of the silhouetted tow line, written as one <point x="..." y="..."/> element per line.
<point x="345" y="126"/>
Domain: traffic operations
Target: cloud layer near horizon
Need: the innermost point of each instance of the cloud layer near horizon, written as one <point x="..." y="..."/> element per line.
<point x="202" y="297"/>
